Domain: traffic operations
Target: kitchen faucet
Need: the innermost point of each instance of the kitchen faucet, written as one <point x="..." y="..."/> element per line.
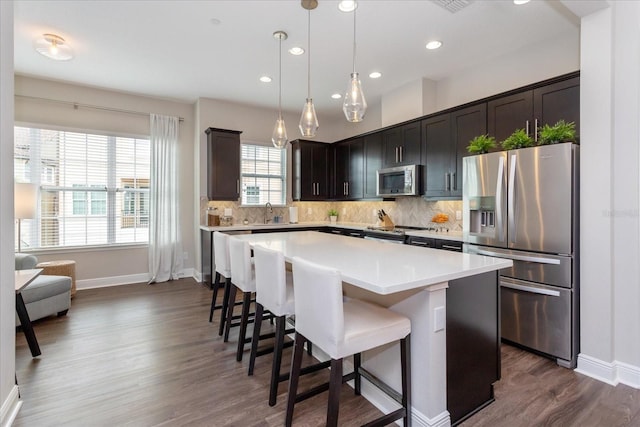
<point x="268" y="212"/>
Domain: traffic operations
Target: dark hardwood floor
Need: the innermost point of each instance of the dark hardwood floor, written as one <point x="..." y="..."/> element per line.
<point x="142" y="355"/>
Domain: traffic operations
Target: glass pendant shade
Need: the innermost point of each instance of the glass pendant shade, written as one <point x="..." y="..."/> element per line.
<point x="279" y="135"/>
<point x="354" y="106"/>
<point x="308" y="120"/>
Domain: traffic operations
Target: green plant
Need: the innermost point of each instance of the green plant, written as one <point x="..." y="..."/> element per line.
<point x="481" y="144"/>
<point x="560" y="132"/>
<point x="332" y="212"/>
<point x="518" y="139"/>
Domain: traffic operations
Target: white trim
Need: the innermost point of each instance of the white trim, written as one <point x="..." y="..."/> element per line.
<point x="105" y="282"/>
<point x="10" y="408"/>
<point x="611" y="373"/>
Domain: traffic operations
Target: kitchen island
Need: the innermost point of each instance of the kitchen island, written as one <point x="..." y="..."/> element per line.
<point x="409" y="280"/>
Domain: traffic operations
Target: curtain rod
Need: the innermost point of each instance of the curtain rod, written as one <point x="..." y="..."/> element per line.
<point x="77" y="105"/>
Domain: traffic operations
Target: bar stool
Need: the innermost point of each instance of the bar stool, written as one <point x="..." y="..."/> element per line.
<point x="221" y="257"/>
<point x="244" y="279"/>
<point x="274" y="292"/>
<point x="342" y="328"/>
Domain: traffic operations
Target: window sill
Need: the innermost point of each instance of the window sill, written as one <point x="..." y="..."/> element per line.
<point x="76" y="249"/>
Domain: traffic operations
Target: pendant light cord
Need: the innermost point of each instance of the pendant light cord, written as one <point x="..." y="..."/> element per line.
<point x="309" y="55"/>
<point x="354" y="39"/>
<point x="280" y="79"/>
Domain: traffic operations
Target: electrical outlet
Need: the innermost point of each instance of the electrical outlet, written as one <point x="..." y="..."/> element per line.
<point x="439" y="319"/>
<point x="458" y="215"/>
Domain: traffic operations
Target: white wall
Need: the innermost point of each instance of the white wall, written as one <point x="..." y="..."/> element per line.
<point x="8" y="392"/>
<point x="610" y="223"/>
<point x="131" y="262"/>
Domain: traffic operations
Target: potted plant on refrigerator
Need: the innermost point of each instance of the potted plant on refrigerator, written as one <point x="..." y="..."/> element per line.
<point x="481" y="144"/>
<point x="518" y="139"/>
<point x="560" y="132"/>
<point x="333" y="215"/>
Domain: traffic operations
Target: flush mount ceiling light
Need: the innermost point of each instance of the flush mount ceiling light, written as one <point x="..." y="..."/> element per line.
<point x="434" y="44"/>
<point x="354" y="105"/>
<point x="296" y="51"/>
<point x="347" y="5"/>
<point x="265" y="79"/>
<point x="519" y="2"/>
<point x="336" y="96"/>
<point x="375" y="75"/>
<point x="279" y="135"/>
<point x="308" y="124"/>
<point x="54" y="47"/>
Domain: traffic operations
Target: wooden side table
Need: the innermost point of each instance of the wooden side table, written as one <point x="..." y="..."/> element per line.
<point x="61" y="268"/>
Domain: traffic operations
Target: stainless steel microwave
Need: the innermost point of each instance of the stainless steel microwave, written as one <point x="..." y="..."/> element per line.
<point x="398" y="181"/>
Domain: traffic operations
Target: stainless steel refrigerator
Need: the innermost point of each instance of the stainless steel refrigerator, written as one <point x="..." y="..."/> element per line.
<point x="523" y="205"/>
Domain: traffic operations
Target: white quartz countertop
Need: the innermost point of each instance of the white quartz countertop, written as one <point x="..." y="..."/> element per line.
<point x="445" y="235"/>
<point x="378" y="267"/>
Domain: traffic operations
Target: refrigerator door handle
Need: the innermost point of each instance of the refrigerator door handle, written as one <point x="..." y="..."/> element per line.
<point x="531" y="289"/>
<point x="511" y="198"/>
<point x="539" y="260"/>
<point x="499" y="213"/>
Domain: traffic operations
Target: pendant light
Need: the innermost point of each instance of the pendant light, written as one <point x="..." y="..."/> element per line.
<point x="354" y="106"/>
<point x="279" y="135"/>
<point x="308" y="120"/>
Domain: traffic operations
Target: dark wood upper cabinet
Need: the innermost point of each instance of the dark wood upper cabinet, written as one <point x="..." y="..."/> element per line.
<point x="401" y="145"/>
<point x="349" y="170"/>
<point x="531" y="109"/>
<point x="445" y="139"/>
<point x="310" y="167"/>
<point x="372" y="162"/>
<point x="223" y="164"/>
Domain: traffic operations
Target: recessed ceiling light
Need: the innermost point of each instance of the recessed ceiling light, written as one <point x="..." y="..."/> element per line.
<point x="347" y="5"/>
<point x="434" y="44"/>
<point x="54" y="47"/>
<point x="519" y="2"/>
<point x="375" y="75"/>
<point x="265" y="79"/>
<point x="336" y="96"/>
<point x="296" y="50"/>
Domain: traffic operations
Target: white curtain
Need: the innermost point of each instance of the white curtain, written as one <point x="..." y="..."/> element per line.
<point x="165" y="245"/>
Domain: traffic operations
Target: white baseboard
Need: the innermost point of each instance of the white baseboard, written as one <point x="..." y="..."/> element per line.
<point x="129" y="279"/>
<point x="611" y="373"/>
<point x="10" y="408"/>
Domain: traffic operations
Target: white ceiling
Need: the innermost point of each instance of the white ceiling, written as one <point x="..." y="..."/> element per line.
<point x="171" y="49"/>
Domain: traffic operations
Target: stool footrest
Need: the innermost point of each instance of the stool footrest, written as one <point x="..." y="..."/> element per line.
<point x="322" y="387"/>
<point x="269" y="350"/>
<point x="381" y="385"/>
<point x="387" y="419"/>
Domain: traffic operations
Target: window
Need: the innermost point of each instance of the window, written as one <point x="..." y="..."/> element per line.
<point x="263" y="175"/>
<point x="94" y="189"/>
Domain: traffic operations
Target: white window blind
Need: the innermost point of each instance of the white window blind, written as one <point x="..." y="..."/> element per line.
<point x="94" y="189"/>
<point x="263" y="175"/>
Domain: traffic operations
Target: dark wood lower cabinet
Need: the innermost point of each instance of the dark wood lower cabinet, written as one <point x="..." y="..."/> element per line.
<point x="473" y="344"/>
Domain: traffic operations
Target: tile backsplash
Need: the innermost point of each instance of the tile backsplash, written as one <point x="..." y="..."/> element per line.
<point x="414" y="211"/>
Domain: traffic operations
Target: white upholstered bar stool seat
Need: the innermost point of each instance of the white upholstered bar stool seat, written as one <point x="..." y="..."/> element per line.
<point x="243" y="278"/>
<point x="274" y="292"/>
<point x="343" y="327"/>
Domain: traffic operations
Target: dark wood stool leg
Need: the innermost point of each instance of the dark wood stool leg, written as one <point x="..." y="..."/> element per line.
<point x="309" y="348"/>
<point x="225" y="305"/>
<point x="257" y="325"/>
<point x="230" y="307"/>
<point x="27" y="328"/>
<point x="244" y="320"/>
<point x="405" y="358"/>
<point x="216" y="286"/>
<point x="335" y="383"/>
<point x="277" y="359"/>
<point x="294" y="376"/>
<point x="357" y="361"/>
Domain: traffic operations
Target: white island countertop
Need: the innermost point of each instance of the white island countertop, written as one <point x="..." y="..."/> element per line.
<point x="381" y="268"/>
